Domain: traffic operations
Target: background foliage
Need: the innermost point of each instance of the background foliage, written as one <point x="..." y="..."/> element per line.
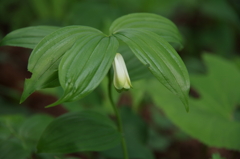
<point x="155" y="123"/>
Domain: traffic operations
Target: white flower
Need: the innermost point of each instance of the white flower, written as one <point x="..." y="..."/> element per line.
<point x="121" y="78"/>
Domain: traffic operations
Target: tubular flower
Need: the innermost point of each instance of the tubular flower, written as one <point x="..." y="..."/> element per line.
<point x="121" y="78"/>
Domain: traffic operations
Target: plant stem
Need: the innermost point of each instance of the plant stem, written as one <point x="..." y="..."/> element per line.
<point x="119" y="121"/>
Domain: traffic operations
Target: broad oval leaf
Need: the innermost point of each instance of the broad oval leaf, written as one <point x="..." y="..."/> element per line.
<point x="161" y="59"/>
<point x="151" y="22"/>
<point x="85" y="65"/>
<point x="79" y="131"/>
<point x="45" y="58"/>
<point x="27" y="37"/>
<point x="212" y="119"/>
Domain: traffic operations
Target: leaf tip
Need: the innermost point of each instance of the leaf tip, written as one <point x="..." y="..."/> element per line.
<point x="27" y="91"/>
<point x="55" y="103"/>
<point x="186" y="105"/>
<point x="21" y="100"/>
<point x="185" y="102"/>
<point x="24" y="96"/>
<point x="187" y="108"/>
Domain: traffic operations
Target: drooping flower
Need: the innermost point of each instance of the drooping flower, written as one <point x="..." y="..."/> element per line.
<point x="121" y="78"/>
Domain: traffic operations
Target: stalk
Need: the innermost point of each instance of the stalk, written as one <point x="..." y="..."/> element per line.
<point x="119" y="120"/>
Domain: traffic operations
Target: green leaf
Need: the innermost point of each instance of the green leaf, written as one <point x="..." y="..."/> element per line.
<point x="32" y="128"/>
<point x="12" y="149"/>
<point x="161" y="59"/>
<point x="26" y="130"/>
<point x="158" y="142"/>
<point x="79" y="131"/>
<point x="45" y="58"/>
<point x="42" y="8"/>
<point x="59" y="8"/>
<point x="220" y="84"/>
<point x="85" y="65"/>
<point x="27" y="37"/>
<point x="211" y="119"/>
<point x="135" y="68"/>
<point x="220" y="10"/>
<point x="150" y="22"/>
<point x="10" y="124"/>
<point x="217" y="156"/>
<point x="83" y="9"/>
<point x="12" y="146"/>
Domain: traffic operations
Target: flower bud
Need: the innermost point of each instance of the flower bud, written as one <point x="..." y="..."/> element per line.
<point x="121" y="78"/>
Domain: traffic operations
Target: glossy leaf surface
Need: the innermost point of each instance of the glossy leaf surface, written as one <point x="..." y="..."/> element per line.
<point x="213" y="118"/>
<point x="27" y="37"/>
<point x="45" y="58"/>
<point x="150" y="22"/>
<point x="161" y="59"/>
<point x="84" y="66"/>
<point x="79" y="131"/>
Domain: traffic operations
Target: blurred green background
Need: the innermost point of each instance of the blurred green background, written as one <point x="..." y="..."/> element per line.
<point x="211" y="32"/>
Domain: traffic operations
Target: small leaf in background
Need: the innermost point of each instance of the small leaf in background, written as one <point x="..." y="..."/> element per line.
<point x="220" y="10"/>
<point x="79" y="131"/>
<point x="161" y="59"/>
<point x="158" y="142"/>
<point x="27" y="37"/>
<point x="211" y="119"/>
<point x="42" y="8"/>
<point x="47" y="156"/>
<point x="32" y="128"/>
<point x="102" y="20"/>
<point x="12" y="144"/>
<point x="19" y="135"/>
<point x="221" y="39"/>
<point x="194" y="65"/>
<point x="149" y="22"/>
<point x="135" y="132"/>
<point x="45" y="58"/>
<point x="58" y="8"/>
<point x="13" y="149"/>
<point x="10" y="124"/>
<point x="217" y="156"/>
